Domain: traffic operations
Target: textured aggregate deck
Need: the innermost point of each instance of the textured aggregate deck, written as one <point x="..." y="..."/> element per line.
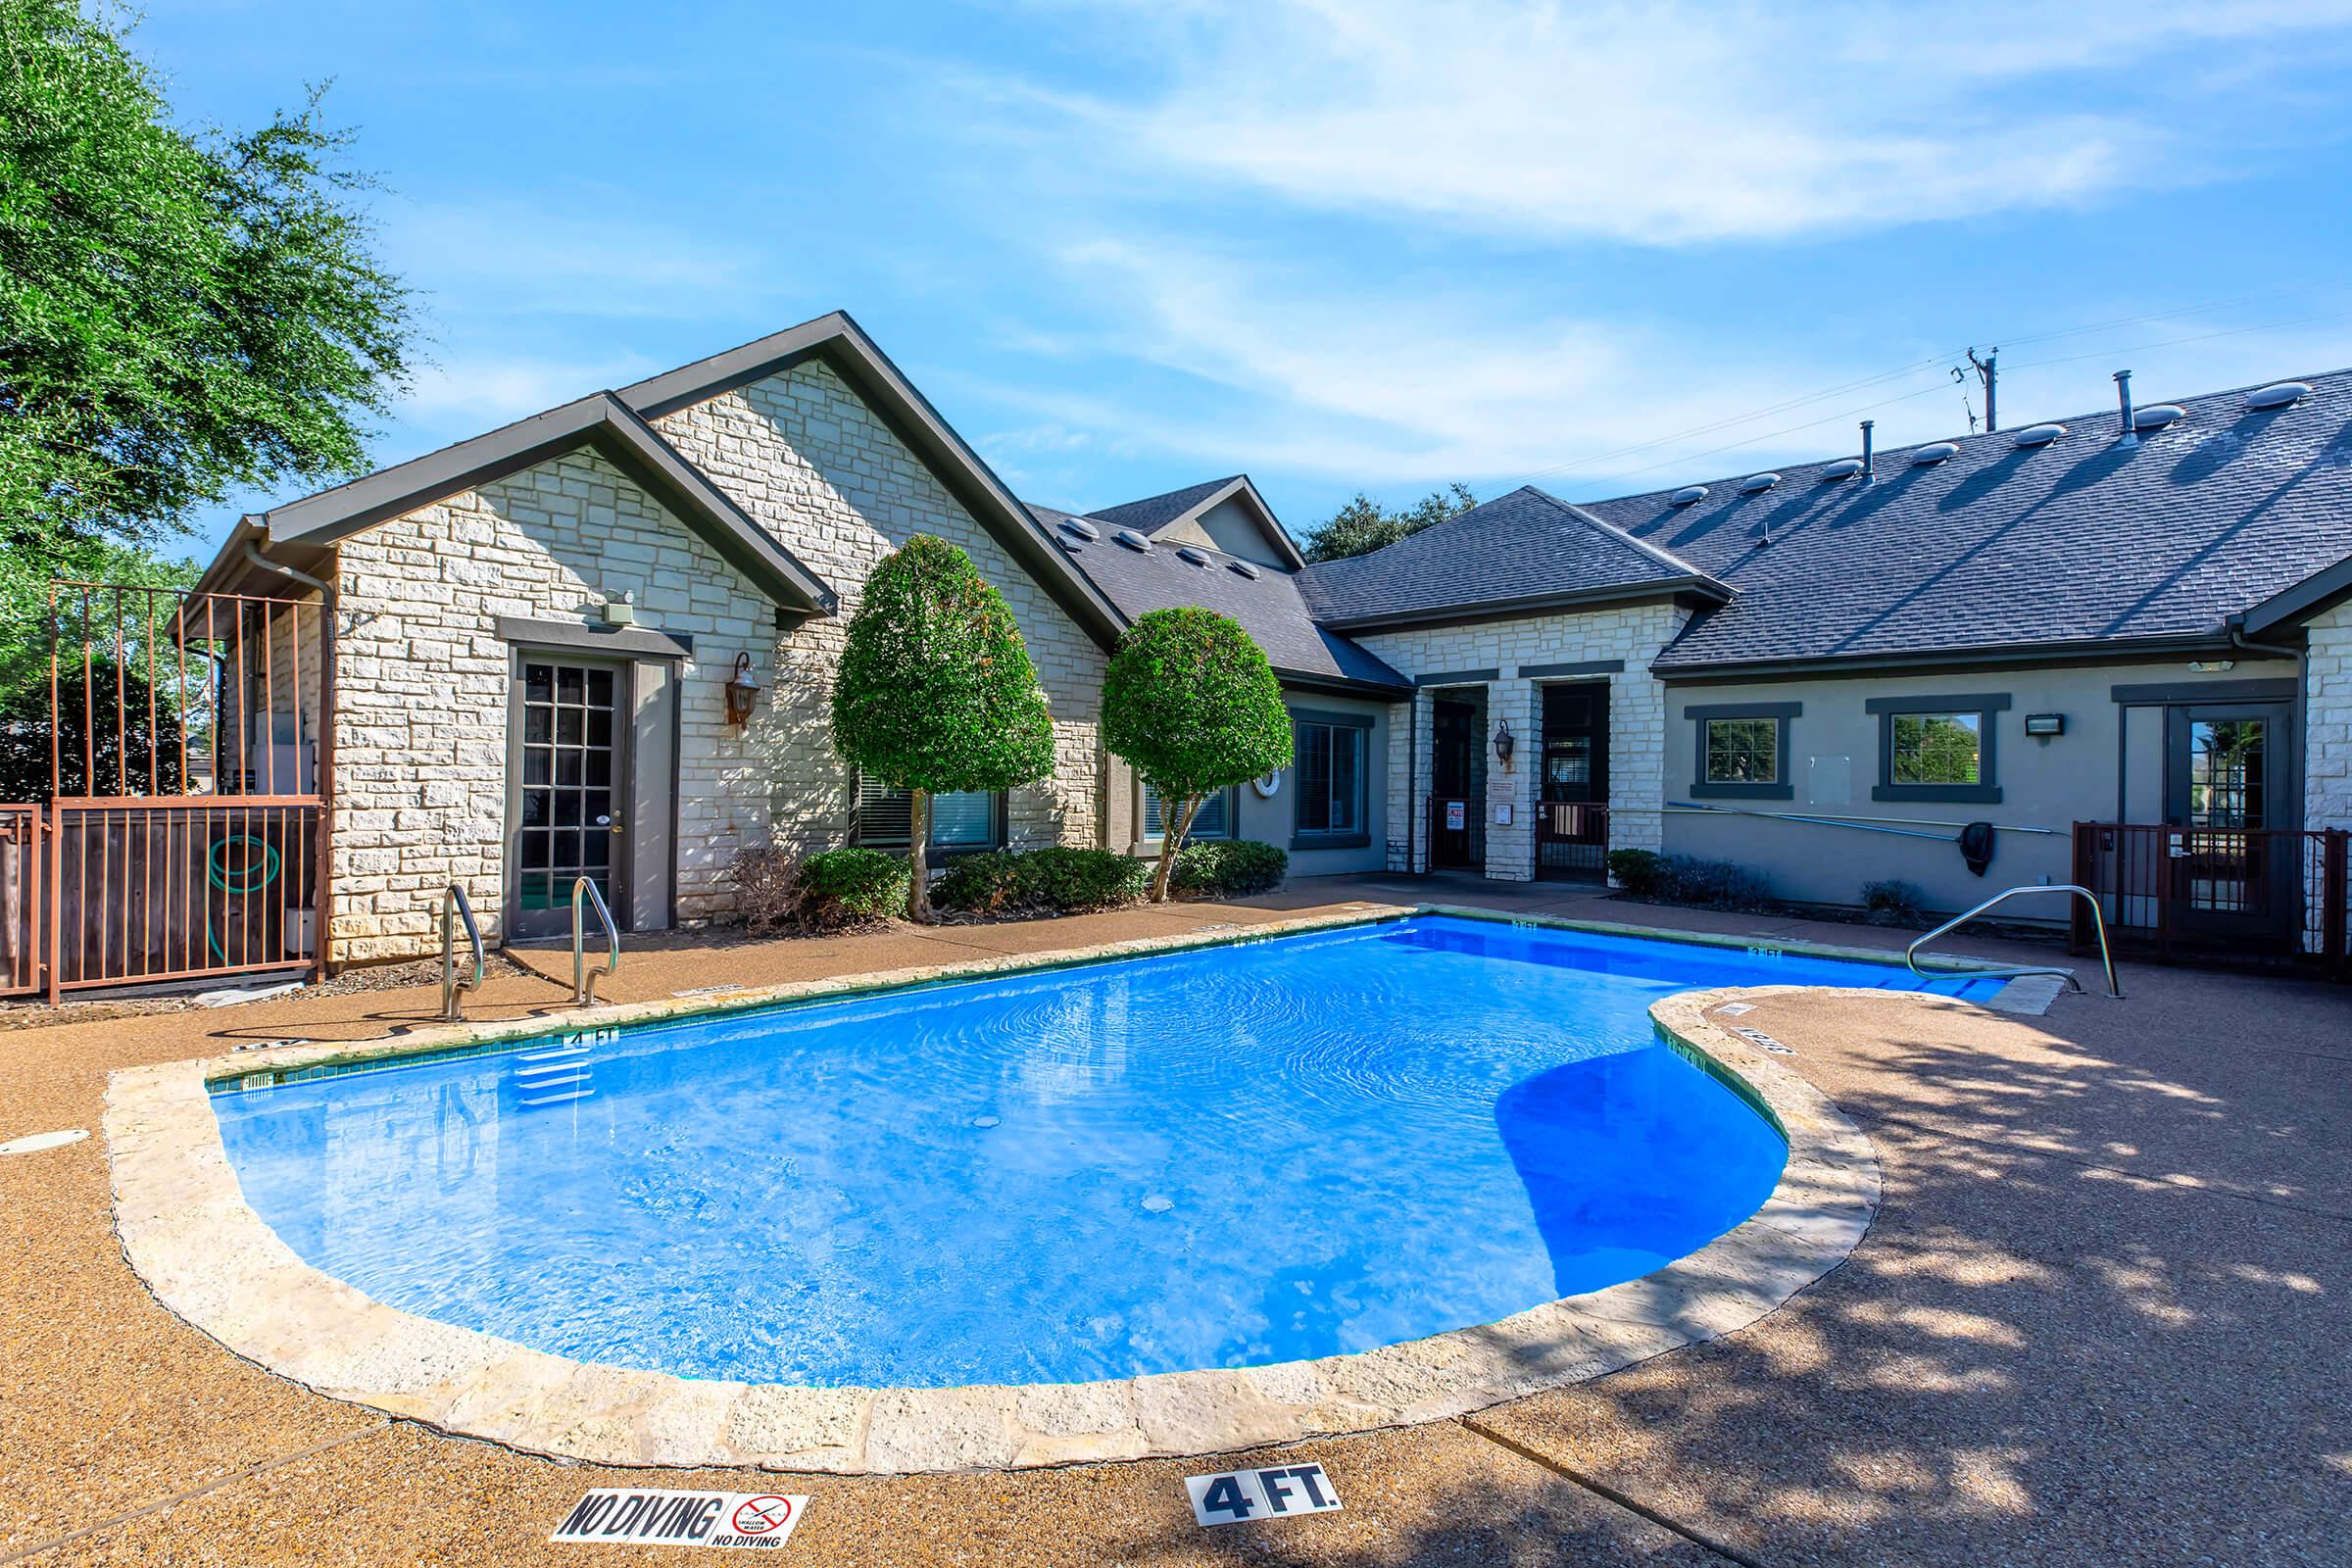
<point x="2100" y="1319"/>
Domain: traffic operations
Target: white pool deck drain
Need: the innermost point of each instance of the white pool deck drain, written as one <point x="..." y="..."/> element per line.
<point x="205" y="1255"/>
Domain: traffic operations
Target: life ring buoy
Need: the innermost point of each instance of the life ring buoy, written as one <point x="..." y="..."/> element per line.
<point x="1268" y="785"/>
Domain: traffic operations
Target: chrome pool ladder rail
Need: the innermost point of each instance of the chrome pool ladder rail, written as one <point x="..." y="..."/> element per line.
<point x="454" y="908"/>
<point x="2098" y="917"/>
<point x="583" y="978"/>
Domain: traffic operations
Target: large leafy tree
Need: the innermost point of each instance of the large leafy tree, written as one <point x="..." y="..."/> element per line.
<point x="1363" y="524"/>
<point x="936" y="694"/>
<point x="182" y="313"/>
<point x="1192" y="705"/>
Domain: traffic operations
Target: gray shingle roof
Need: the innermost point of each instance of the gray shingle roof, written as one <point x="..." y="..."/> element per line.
<point x="1154" y="513"/>
<point x="1525" y="547"/>
<point x="2078" y="541"/>
<point x="1267" y="606"/>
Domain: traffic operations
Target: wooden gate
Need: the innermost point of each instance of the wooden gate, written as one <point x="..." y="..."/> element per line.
<point x="184" y="833"/>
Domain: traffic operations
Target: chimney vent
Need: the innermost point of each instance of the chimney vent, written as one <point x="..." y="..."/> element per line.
<point x="2123" y="393"/>
<point x="1866" y="475"/>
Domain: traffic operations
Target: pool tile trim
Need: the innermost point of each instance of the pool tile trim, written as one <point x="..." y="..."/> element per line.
<point x="207" y="1256"/>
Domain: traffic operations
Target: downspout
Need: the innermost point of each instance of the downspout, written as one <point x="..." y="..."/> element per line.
<point x="322" y="913"/>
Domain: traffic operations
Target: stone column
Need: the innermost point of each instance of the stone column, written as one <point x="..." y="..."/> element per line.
<point x="1511" y="845"/>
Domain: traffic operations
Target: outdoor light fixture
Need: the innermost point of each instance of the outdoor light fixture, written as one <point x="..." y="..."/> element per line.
<point x="2212" y="666"/>
<point x="2045" y="724"/>
<point x="742" y="691"/>
<point x="1505" y="743"/>
<point x="622" y="611"/>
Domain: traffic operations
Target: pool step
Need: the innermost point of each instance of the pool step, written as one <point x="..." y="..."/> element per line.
<point x="554" y="1076"/>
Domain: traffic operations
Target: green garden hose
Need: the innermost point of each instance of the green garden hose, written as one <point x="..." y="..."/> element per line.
<point x="243" y="880"/>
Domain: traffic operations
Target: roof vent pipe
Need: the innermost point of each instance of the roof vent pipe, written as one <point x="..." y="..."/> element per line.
<point x="1866" y="475"/>
<point x="2123" y="392"/>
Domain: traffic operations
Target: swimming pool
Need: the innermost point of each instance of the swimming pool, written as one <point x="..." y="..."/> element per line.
<point x="1219" y="1158"/>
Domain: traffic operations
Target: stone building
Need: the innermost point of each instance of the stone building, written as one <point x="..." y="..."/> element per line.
<point x="542" y="639"/>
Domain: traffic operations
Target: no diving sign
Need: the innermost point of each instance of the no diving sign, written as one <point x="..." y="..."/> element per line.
<point x="1277" y="1493"/>
<point x="740" y="1521"/>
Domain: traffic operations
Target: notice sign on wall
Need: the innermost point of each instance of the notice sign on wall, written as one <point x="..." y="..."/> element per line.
<point x="1457" y="815"/>
<point x="1277" y="1493"/>
<point x="740" y="1521"/>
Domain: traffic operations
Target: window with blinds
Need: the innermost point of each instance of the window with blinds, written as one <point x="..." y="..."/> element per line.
<point x="958" y="821"/>
<point x="1214" y="820"/>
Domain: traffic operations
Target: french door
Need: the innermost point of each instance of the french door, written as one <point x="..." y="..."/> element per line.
<point x="2227" y="796"/>
<point x="568" y="780"/>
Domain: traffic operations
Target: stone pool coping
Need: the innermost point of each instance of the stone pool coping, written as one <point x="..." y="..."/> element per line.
<point x="189" y="1236"/>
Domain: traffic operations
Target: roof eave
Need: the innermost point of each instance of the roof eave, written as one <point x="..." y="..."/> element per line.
<point x="2298" y="601"/>
<point x="2078" y="650"/>
<point x="1699" y="590"/>
<point x="1340" y="685"/>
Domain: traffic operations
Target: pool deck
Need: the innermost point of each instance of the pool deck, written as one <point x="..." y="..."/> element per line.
<point x="2100" y="1318"/>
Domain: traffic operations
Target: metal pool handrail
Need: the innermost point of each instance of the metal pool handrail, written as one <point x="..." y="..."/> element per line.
<point x="454" y="903"/>
<point x="2098" y="917"/>
<point x="583" y="978"/>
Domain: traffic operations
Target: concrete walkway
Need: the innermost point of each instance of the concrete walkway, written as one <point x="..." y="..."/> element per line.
<point x="2101" y="1319"/>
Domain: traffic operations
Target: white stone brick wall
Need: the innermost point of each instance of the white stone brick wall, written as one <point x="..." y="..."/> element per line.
<point x="805" y="457"/>
<point x="2327" y="721"/>
<point x="423" y="681"/>
<point x="1634" y="634"/>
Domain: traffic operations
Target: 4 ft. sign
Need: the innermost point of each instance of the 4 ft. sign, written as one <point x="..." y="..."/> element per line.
<point x="1271" y="1494"/>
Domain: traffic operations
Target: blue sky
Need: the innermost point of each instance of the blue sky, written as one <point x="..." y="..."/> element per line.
<point x="1345" y="245"/>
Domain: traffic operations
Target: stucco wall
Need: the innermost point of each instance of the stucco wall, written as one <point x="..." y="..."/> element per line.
<point x="1632" y="635"/>
<point x="2327" y="721"/>
<point x="805" y="457"/>
<point x="2107" y="766"/>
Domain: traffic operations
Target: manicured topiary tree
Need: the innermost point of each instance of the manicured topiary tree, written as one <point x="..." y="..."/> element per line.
<point x="1192" y="705"/>
<point x="936" y="693"/>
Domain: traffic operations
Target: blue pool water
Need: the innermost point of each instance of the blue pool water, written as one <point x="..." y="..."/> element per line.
<point x="1225" y="1158"/>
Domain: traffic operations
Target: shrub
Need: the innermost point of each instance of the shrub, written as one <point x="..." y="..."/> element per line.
<point x="844" y="888"/>
<point x="1070" y="880"/>
<point x="936" y="693"/>
<point x="1228" y="868"/>
<point x="980" y="884"/>
<point x="1892" y="902"/>
<point x="1713" y="884"/>
<point x="1635" y="870"/>
<point x="1191" y="703"/>
<point x="767" y="888"/>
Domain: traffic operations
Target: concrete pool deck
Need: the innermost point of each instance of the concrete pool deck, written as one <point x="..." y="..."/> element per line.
<point x="2100" y="1319"/>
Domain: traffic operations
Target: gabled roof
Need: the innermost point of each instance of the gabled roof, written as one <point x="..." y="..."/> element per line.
<point x="2001" y="550"/>
<point x="599" y="420"/>
<point x="844" y="346"/>
<point x="1264" y="600"/>
<point x="1155" y="515"/>
<point x="1522" y="552"/>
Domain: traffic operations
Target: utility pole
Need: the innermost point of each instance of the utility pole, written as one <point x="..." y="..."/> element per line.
<point x="1985" y="374"/>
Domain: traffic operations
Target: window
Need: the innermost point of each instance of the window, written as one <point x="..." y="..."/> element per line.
<point x="1329" y="774"/>
<point x="972" y="820"/>
<point x="1742" y="750"/>
<point x="1214" y="820"/>
<point x="1936" y="748"/>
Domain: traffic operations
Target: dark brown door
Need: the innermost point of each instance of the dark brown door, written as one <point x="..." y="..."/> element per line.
<point x="1572" y="822"/>
<point x="2234" y="870"/>
<point x="1453" y="808"/>
<point x="567" y="767"/>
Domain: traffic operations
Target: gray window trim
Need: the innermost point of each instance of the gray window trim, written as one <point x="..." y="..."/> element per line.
<point x="1000" y="829"/>
<point x="1152" y="840"/>
<point x="2163" y="694"/>
<point x="1985" y="705"/>
<point x="597" y="642"/>
<point x="1699" y="712"/>
<point x="1459" y="677"/>
<point x="1361" y="838"/>
<point x="1582" y="666"/>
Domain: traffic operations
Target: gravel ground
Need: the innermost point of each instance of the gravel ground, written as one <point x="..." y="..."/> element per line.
<point x="2100" y="1320"/>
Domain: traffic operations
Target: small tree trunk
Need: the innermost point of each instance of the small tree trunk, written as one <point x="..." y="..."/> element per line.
<point x="1171" y="839"/>
<point x="918" y="866"/>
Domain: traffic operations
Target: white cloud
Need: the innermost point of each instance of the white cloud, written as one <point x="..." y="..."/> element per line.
<point x="1670" y="124"/>
<point x="480" y="391"/>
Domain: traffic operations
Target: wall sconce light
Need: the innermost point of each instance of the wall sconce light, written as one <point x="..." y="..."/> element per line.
<point x="742" y="691"/>
<point x="2045" y="725"/>
<point x="622" y="611"/>
<point x="1505" y="743"/>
